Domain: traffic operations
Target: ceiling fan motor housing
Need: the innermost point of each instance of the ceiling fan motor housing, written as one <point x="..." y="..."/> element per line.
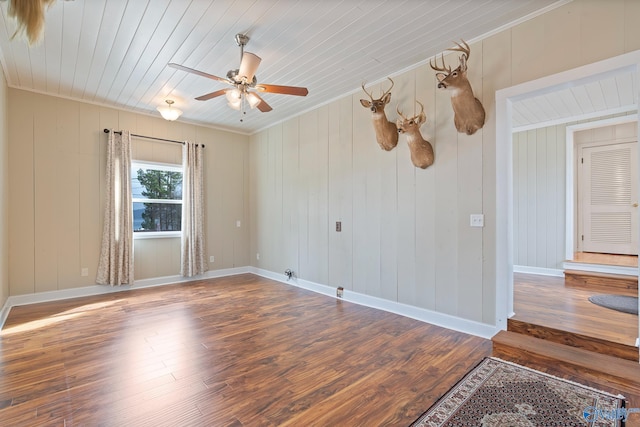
<point x="233" y="76"/>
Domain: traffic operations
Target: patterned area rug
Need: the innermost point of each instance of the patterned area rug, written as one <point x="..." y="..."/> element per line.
<point x="498" y="393"/>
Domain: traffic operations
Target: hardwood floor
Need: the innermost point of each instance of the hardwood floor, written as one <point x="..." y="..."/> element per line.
<point x="235" y="351"/>
<point x="545" y="301"/>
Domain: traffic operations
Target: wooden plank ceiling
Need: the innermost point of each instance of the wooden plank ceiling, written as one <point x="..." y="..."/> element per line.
<point x="115" y="52"/>
<point x="615" y="93"/>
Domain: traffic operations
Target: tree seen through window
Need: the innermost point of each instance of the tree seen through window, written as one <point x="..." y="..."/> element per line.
<point x="157" y="197"/>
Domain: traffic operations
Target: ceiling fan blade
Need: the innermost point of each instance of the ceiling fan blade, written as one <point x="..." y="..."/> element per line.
<point x="211" y="95"/>
<point x="285" y="90"/>
<point x="249" y="65"/>
<point x="199" y="73"/>
<point x="262" y="105"/>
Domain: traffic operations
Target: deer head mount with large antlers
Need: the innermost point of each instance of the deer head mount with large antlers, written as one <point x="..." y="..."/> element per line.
<point x="468" y="111"/>
<point x="386" y="131"/>
<point x="421" y="150"/>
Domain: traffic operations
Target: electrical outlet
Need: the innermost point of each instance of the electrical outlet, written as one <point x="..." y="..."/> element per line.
<point x="84" y="272"/>
<point x="212" y="258"/>
<point x="258" y="256"/>
<point x="476" y="220"/>
<point x="238" y="223"/>
<point x="338" y="226"/>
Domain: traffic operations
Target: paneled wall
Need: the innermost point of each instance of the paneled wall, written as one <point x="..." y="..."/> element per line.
<point x="539" y="197"/>
<point x="405" y="231"/>
<point x="58" y="152"/>
<point x="4" y="190"/>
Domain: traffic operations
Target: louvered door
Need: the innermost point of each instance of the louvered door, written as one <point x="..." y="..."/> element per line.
<point x="609" y="199"/>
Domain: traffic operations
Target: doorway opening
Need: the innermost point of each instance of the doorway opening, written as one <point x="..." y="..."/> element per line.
<point x="507" y="102"/>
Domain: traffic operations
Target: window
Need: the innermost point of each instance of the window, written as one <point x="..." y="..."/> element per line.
<point x="157" y="199"/>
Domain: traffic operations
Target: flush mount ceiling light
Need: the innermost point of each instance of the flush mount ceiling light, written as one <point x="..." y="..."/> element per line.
<point x="169" y="112"/>
<point x="245" y="86"/>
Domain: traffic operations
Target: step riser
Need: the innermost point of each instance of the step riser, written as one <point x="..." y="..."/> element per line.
<point x="574" y="340"/>
<point x="601" y="282"/>
<point x="528" y="350"/>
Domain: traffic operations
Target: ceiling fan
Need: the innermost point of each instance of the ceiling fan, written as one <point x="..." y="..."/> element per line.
<point x="244" y="82"/>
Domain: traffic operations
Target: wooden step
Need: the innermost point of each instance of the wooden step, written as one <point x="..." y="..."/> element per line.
<point x="628" y="352"/>
<point x="522" y="348"/>
<point x="605" y="282"/>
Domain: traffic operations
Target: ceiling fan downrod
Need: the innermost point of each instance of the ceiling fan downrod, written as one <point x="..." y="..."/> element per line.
<point x="242" y="40"/>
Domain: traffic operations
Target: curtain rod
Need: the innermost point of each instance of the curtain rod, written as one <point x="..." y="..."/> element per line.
<point x="149" y="137"/>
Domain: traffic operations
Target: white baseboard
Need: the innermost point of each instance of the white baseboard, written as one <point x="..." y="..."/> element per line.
<point x="538" y="270"/>
<point x="4" y="313"/>
<point x="17" y="300"/>
<point x="459" y="324"/>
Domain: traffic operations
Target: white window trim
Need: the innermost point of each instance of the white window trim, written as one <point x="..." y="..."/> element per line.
<point x="169" y="167"/>
<point x="156" y="235"/>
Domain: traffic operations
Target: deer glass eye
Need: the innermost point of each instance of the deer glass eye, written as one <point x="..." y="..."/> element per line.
<point x="454" y="74"/>
<point x="410" y="122"/>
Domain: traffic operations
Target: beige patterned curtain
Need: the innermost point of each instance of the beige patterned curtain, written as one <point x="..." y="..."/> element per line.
<point x="116" y="255"/>
<point x="193" y="241"/>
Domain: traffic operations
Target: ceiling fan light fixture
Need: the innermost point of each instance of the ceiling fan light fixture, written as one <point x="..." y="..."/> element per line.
<point x="234" y="98"/>
<point x="233" y="95"/>
<point x="252" y="99"/>
<point x="169" y="112"/>
<point x="249" y="66"/>
<point x="235" y="105"/>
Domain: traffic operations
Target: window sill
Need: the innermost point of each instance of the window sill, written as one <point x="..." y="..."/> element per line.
<point x="157" y="235"/>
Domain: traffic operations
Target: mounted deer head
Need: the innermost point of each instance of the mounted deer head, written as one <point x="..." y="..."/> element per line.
<point x="421" y="150"/>
<point x="29" y="15"/>
<point x="467" y="109"/>
<point x="386" y="131"/>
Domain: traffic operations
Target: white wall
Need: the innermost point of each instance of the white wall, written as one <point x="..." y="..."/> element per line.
<point x="57" y="149"/>
<point x="539" y="197"/>
<point x="406" y="234"/>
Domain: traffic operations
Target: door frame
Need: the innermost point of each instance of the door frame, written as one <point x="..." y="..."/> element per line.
<point x="571" y="222"/>
<point x="628" y="62"/>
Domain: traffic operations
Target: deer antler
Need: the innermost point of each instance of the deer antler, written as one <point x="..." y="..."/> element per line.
<point x="365" y="91"/>
<point x="388" y="90"/>
<point x="399" y="112"/>
<point x="383" y="95"/>
<point x="421" y="117"/>
<point x="444" y="68"/>
<point x="466" y="51"/>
